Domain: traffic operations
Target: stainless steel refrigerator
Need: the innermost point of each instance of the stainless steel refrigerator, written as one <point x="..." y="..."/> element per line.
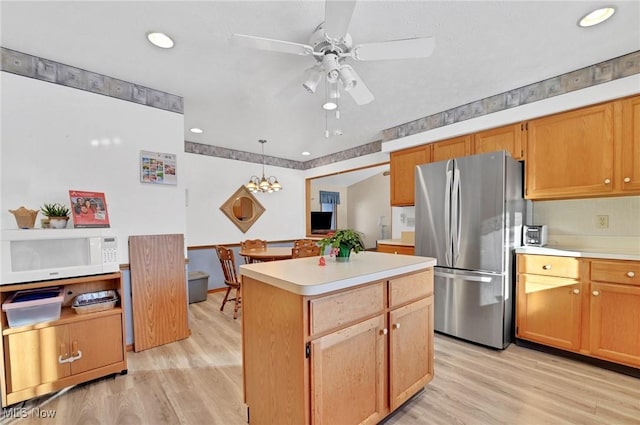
<point x="469" y="216"/>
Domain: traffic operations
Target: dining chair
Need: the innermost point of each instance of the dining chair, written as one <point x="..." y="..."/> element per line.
<point x="306" y="251"/>
<point x="231" y="278"/>
<point x="252" y="244"/>
<point x="303" y="243"/>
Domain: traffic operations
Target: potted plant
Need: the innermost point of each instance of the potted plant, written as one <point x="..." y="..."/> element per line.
<point x="57" y="214"/>
<point x="342" y="242"/>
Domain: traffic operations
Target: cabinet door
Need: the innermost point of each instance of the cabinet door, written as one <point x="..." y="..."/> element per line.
<point x="548" y="310"/>
<point x="410" y="350"/>
<point x="403" y="173"/>
<point x="615" y="322"/>
<point x="98" y="340"/>
<point x="348" y="375"/>
<point x="508" y="138"/>
<point x="631" y="145"/>
<point x="452" y="148"/>
<point x="395" y="249"/>
<point x="570" y="154"/>
<point x="32" y="357"/>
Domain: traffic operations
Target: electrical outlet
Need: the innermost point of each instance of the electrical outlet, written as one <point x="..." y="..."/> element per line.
<point x="602" y="221"/>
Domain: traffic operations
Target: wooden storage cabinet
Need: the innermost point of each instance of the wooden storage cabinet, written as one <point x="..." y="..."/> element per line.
<point x="588" y="306"/>
<point x="402" y="168"/>
<point x="629" y="177"/>
<point x="614" y="314"/>
<point x="452" y="148"/>
<point x="49" y="356"/>
<point x="548" y="304"/>
<point x="396" y="249"/>
<point x="349" y="357"/>
<point x="510" y="138"/>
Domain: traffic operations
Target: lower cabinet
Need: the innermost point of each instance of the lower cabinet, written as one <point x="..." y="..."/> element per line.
<point x="349" y="357"/>
<point x="587" y="306"/>
<point x="48" y="356"/>
<point x="396" y="249"/>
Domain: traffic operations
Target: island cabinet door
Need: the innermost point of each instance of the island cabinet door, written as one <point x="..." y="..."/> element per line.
<point x="410" y="350"/>
<point x="348" y="375"/>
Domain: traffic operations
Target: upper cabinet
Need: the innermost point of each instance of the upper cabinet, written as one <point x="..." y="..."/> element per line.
<point x="630" y="157"/>
<point x="571" y="154"/>
<point x="588" y="152"/>
<point x="403" y="164"/>
<point x="452" y="148"/>
<point x="510" y="138"/>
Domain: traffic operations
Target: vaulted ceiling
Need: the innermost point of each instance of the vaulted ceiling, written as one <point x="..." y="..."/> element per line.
<point x="238" y="95"/>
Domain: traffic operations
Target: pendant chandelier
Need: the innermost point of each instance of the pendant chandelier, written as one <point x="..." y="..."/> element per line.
<point x="264" y="184"/>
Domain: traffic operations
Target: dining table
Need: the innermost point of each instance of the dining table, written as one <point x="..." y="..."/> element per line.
<point x="266" y="254"/>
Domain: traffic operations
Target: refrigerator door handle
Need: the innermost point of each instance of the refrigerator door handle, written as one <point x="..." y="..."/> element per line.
<point x="456" y="214"/>
<point x="447" y="217"/>
<point x="465" y="277"/>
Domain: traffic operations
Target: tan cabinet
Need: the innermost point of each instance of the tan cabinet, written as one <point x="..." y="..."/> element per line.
<point x="629" y="177"/>
<point x="588" y="306"/>
<point x="571" y="154"/>
<point x="614" y="319"/>
<point x="395" y="249"/>
<point x="510" y="138"/>
<point x="348" y="357"/>
<point x="402" y="167"/>
<point x="452" y="148"/>
<point x="548" y="308"/>
<point x="49" y="356"/>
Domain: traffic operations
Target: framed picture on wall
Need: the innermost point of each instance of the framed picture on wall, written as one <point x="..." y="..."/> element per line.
<point x="158" y="168"/>
<point x="88" y="209"/>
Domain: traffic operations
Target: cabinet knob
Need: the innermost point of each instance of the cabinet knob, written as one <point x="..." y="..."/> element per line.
<point x="627" y="179"/>
<point x="384" y="331"/>
<point x="607" y="181"/>
<point x="546" y="267"/>
<point x="395" y="326"/>
<point x="576" y="291"/>
<point x="596" y="293"/>
<point x="631" y="274"/>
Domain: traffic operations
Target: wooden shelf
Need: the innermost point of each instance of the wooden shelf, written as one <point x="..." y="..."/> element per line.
<point x="67" y="315"/>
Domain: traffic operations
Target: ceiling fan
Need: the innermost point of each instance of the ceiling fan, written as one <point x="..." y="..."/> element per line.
<point x="330" y="44"/>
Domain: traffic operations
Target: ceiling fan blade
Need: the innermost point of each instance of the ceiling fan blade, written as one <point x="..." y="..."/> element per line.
<point x="261" y="43"/>
<point x="337" y="15"/>
<point x="359" y="92"/>
<point x="397" y="49"/>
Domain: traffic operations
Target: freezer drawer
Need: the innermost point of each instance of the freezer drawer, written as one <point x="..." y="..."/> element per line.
<point x="474" y="306"/>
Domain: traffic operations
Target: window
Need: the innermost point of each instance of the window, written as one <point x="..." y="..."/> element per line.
<point x="329" y="202"/>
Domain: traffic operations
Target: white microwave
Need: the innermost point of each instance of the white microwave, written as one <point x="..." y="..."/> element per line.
<point x="30" y="255"/>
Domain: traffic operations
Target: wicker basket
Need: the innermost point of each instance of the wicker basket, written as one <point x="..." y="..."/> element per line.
<point x="25" y="217"/>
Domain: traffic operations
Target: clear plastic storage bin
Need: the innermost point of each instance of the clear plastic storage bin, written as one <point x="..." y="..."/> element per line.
<point x="33" y="306"/>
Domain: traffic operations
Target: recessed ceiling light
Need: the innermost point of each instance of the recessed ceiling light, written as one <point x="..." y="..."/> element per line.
<point x="329" y="106"/>
<point x="161" y="40"/>
<point x="596" y="17"/>
<point x="196" y="130"/>
<point x="305" y="153"/>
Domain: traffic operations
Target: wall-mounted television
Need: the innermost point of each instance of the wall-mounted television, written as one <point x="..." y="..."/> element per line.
<point x="321" y="221"/>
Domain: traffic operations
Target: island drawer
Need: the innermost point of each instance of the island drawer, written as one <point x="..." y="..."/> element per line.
<point x="410" y="287"/>
<point x="549" y="265"/>
<point x="627" y="272"/>
<point x="337" y="310"/>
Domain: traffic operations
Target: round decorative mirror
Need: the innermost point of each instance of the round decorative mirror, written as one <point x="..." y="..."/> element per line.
<point x="242" y="208"/>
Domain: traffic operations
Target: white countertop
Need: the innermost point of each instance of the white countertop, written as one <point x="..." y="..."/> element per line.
<point x="603" y="253"/>
<point x="394" y="242"/>
<point x="303" y="276"/>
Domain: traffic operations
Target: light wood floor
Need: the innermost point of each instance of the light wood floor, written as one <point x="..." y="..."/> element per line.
<point x="198" y="381"/>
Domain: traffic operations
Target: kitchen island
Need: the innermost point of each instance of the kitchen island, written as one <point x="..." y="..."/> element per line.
<point x="344" y="343"/>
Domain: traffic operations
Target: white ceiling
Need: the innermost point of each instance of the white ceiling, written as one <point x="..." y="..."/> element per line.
<point x="239" y="95"/>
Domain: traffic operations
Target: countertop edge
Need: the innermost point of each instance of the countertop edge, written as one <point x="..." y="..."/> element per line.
<point x="322" y="288"/>
<point x="395" y="242"/>
<point x="582" y="253"/>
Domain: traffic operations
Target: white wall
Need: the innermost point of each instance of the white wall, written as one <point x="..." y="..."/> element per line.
<point x="369" y="204"/>
<point x="210" y="181"/>
<point x="46" y="150"/>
